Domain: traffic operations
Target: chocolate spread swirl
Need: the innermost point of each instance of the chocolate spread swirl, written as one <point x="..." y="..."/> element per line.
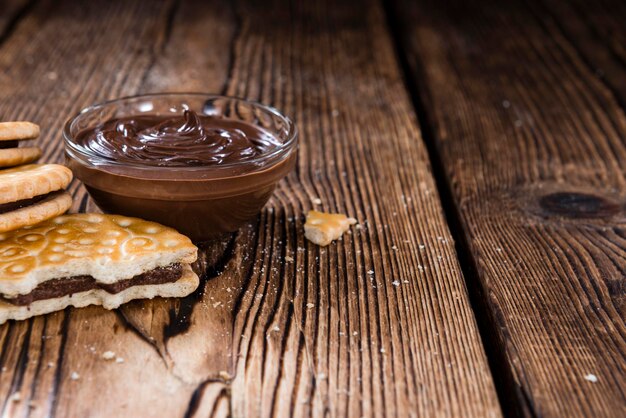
<point x="185" y="140"/>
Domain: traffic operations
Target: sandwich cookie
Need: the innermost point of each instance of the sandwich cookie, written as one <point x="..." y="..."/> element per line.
<point x="10" y="135"/>
<point x="91" y="259"/>
<point x="33" y="193"/>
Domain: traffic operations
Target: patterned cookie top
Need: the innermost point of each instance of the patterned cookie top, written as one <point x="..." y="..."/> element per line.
<point x="32" y="180"/>
<point x="89" y="244"/>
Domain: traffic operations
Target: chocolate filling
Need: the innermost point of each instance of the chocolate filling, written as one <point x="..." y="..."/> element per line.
<point x="56" y="288"/>
<point x="19" y="204"/>
<point x="8" y="144"/>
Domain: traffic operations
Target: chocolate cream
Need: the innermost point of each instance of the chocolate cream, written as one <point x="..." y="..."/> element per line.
<point x="165" y="141"/>
<point x="9" y="144"/>
<point x="56" y="288"/>
<point x="202" y="175"/>
<point x="19" y="204"/>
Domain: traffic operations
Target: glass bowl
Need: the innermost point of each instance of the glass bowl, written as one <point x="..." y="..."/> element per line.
<point x="200" y="201"/>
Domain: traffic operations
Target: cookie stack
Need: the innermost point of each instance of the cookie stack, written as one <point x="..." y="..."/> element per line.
<point x="11" y="133"/>
<point x="29" y="193"/>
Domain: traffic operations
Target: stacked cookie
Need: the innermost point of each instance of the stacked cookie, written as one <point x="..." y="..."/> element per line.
<point x="29" y="193"/>
<point x="11" y="133"/>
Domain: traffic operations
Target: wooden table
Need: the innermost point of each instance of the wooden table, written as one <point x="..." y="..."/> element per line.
<point x="481" y="148"/>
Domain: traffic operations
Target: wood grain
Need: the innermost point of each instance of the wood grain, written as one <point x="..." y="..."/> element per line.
<point x="377" y="324"/>
<point x="595" y="31"/>
<point x="531" y="141"/>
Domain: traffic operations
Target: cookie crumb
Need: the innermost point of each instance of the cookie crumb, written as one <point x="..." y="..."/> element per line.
<point x="317" y="201"/>
<point x="323" y="228"/>
<point x="108" y="355"/>
<point x="225" y="375"/>
<point x="288" y="259"/>
<point x="74" y="376"/>
<point x="310" y="305"/>
<point x="16" y="397"/>
<point x="591" y="378"/>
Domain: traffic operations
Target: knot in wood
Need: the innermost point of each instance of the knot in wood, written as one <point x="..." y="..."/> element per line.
<point x="578" y="205"/>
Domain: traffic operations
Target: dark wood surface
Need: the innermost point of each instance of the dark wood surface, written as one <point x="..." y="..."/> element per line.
<point x="524" y="106"/>
<point x="500" y="127"/>
<point x="316" y="336"/>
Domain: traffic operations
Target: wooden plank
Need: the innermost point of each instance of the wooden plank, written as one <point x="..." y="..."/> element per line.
<point x="532" y="145"/>
<point x="595" y="30"/>
<point x="377" y="324"/>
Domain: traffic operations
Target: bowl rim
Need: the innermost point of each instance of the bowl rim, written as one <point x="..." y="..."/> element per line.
<point x="86" y="158"/>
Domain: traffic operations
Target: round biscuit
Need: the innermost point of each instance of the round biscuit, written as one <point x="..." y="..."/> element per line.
<point x="17" y="156"/>
<point x="17" y="131"/>
<point x="28" y="181"/>
<point x="50" y="207"/>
